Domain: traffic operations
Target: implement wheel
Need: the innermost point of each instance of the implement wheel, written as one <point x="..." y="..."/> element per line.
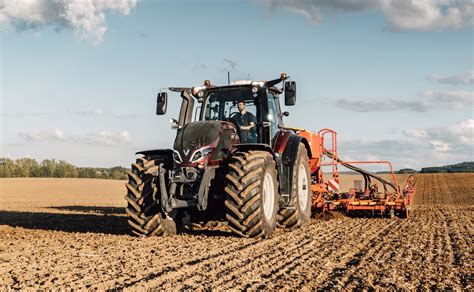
<point x="298" y="211"/>
<point x="252" y="194"/>
<point x="144" y="214"/>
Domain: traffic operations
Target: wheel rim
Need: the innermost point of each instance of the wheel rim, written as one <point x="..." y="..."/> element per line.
<point x="268" y="196"/>
<point x="302" y="187"/>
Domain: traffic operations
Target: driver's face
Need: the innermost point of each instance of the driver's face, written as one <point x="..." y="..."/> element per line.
<point x="241" y="106"/>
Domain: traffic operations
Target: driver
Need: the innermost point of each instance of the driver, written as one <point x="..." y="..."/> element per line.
<point x="247" y="122"/>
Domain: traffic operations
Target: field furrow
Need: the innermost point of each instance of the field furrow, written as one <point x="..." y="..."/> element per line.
<point x="81" y="241"/>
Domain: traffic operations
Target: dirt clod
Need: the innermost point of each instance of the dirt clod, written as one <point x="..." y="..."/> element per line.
<point x="329" y="215"/>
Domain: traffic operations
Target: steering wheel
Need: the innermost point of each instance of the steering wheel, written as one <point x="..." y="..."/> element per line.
<point x="235" y="122"/>
<point x="232" y="115"/>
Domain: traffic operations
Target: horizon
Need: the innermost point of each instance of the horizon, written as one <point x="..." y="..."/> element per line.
<point x="2" y="161"/>
<point x="395" y="82"/>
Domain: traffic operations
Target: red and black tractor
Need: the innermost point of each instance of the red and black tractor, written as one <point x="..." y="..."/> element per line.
<point x="255" y="176"/>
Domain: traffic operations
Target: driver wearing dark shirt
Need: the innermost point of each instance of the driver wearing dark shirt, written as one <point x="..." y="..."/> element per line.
<point x="247" y="122"/>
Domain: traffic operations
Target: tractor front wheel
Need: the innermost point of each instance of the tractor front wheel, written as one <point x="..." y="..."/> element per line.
<point x="144" y="214"/>
<point x="252" y="194"/>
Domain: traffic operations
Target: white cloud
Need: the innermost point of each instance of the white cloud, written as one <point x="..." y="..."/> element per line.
<point x="465" y="78"/>
<point x="431" y="100"/>
<point x="417" y="133"/>
<point x="313" y="9"/>
<point x="44" y="135"/>
<point x="400" y="14"/>
<point x="418" y="148"/>
<point x="458" y="137"/>
<point x="87" y="18"/>
<point x="428" y="14"/>
<point x="108" y="138"/>
<point x="464" y="132"/>
<point x="439" y="145"/>
<point x="56" y="135"/>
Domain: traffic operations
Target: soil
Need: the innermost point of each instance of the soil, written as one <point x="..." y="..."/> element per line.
<point x="73" y="233"/>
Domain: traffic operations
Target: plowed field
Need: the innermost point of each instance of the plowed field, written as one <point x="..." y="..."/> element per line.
<point x="73" y="233"/>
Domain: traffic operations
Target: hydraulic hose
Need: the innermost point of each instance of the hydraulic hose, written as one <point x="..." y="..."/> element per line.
<point x="367" y="175"/>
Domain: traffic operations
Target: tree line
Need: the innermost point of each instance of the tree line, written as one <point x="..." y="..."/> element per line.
<point x="28" y="167"/>
<point x="460" y="167"/>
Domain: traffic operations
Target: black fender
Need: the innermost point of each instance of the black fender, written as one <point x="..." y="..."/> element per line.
<point x="253" y="146"/>
<point x="156" y="152"/>
<point x="165" y="155"/>
<point x="287" y="165"/>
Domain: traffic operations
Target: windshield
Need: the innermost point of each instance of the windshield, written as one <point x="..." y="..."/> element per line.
<point x="223" y="104"/>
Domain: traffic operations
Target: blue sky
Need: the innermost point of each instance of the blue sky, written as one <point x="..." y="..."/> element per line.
<point x="81" y="87"/>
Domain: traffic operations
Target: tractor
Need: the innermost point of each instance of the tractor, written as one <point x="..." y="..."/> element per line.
<point x="234" y="161"/>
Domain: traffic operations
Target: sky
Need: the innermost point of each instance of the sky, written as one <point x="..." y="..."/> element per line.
<point x="79" y="78"/>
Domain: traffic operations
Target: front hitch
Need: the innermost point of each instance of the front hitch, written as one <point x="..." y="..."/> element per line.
<point x="164" y="198"/>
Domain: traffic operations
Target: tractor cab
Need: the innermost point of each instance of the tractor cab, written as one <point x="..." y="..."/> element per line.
<point x="253" y="107"/>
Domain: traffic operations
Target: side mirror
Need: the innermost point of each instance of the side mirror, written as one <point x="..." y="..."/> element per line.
<point x="290" y="93"/>
<point x="285" y="114"/>
<point x="161" y="103"/>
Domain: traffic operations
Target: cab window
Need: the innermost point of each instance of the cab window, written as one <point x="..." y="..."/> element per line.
<point x="273" y="116"/>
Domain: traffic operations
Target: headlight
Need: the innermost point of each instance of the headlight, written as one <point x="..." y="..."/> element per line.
<point x="199" y="91"/>
<point x="201" y="153"/>
<point x="177" y="157"/>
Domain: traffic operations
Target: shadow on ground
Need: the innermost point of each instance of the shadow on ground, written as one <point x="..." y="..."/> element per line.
<point x="108" y="220"/>
<point x="106" y="223"/>
<point x="91" y="209"/>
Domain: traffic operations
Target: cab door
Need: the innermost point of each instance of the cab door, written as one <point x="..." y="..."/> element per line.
<point x="273" y="116"/>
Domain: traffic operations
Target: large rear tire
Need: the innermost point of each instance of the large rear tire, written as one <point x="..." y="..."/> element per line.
<point x="298" y="211"/>
<point x="252" y="194"/>
<point x="144" y="214"/>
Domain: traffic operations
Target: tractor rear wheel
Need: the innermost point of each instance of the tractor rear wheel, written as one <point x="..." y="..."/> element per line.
<point x="298" y="211"/>
<point x="252" y="194"/>
<point x="144" y="214"/>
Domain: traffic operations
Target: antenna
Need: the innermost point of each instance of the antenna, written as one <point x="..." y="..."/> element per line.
<point x="228" y="77"/>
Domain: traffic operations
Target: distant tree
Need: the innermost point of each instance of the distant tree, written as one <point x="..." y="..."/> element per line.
<point x="407" y="171"/>
<point x="48" y="168"/>
<point x="27" y="167"/>
<point x="64" y="169"/>
<point x="87" y="172"/>
<point x="6" y="167"/>
<point x="460" y="167"/>
<point x="35" y="170"/>
<point x="118" y="173"/>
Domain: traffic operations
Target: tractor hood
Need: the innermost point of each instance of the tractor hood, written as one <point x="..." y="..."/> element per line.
<point x="196" y="135"/>
<point x="202" y="142"/>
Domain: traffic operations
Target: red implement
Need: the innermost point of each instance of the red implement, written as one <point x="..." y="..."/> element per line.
<point x="364" y="200"/>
